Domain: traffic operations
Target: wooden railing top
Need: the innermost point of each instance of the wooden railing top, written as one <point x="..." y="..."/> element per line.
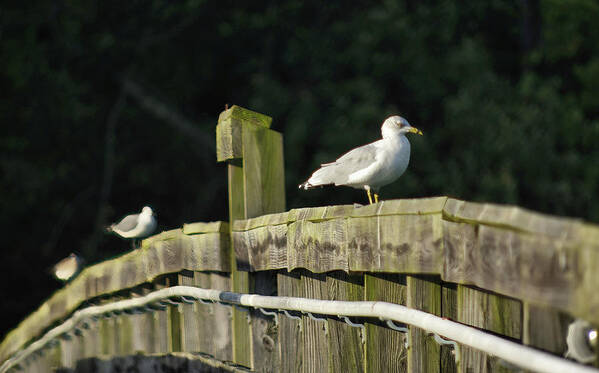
<point x="508" y="217"/>
<point x="537" y="258"/>
<point x="194" y="247"/>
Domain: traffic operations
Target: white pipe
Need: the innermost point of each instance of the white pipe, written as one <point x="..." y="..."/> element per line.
<point x="520" y="355"/>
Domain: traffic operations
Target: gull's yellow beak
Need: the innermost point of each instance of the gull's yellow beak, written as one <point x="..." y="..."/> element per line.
<point x="415" y="130"/>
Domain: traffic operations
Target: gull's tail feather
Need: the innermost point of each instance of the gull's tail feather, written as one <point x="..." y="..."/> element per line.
<point x="109" y="228"/>
<point x="325" y="175"/>
<point x="305" y="185"/>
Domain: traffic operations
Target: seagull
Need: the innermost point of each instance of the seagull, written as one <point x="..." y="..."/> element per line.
<point x="136" y="225"/>
<point x="68" y="267"/>
<point x="370" y="166"/>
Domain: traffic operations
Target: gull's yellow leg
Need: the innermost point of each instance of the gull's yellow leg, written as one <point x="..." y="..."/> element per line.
<point x="369" y="196"/>
<point x="376" y="198"/>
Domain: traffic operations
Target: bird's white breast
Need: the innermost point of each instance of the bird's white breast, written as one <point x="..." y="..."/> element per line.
<point x="394" y="159"/>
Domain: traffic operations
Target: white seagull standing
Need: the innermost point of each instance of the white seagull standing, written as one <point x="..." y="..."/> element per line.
<point x="135" y="226"/>
<point x="370" y="166"/>
<point x="68" y="267"/>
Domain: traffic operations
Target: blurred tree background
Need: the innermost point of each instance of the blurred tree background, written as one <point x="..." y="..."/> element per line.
<point x="109" y="105"/>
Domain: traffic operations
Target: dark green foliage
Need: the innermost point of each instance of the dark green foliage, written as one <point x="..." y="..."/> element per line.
<point x="505" y="92"/>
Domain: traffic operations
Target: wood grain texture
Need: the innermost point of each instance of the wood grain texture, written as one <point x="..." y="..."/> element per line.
<point x="70" y="352"/>
<point x="142" y="325"/>
<point x="160" y="335"/>
<point x="290" y="343"/>
<point x="346" y="350"/>
<point x="545" y="328"/>
<point x="488" y="311"/>
<point x="317" y="246"/>
<point x="524" y="266"/>
<point x="543" y="260"/>
<point x="190" y="318"/>
<point x="396" y="243"/>
<point x="265" y="356"/>
<point x="263" y="170"/>
<point x="207" y="248"/>
<point x="124" y="335"/>
<point x="449" y="310"/>
<point x="256" y="187"/>
<point x="266" y="247"/>
<point x="215" y="327"/>
<point x="423" y="293"/>
<point x="385" y="348"/>
<point x="315" y="344"/>
<point x="511" y="217"/>
<point x="91" y="342"/>
<point x="241" y="339"/>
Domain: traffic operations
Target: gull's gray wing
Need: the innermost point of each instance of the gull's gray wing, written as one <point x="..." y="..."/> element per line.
<point x="358" y="158"/>
<point x="128" y="223"/>
<point x="338" y="172"/>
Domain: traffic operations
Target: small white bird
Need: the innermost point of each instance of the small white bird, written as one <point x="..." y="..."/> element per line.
<point x="136" y="225"/>
<point x="68" y="267"/>
<point x="370" y="166"/>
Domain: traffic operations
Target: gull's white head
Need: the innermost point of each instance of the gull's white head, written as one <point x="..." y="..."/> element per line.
<point x="396" y="125"/>
<point x="147" y="210"/>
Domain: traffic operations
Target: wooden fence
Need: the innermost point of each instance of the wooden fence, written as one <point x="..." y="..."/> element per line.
<point x="512" y="272"/>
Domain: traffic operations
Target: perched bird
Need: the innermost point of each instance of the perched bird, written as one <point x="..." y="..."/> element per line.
<point x="135" y="226"/>
<point x="68" y="267"/>
<point x="370" y="166"/>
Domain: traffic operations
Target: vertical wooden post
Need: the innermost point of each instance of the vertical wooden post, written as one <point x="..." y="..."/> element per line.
<point x="254" y="154"/>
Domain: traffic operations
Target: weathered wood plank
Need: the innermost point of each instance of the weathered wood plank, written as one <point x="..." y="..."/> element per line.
<point x="209" y="337"/>
<point x="70" y="352"/>
<point x="449" y="310"/>
<point x="229" y="129"/>
<point x="545" y="328"/>
<point x="266" y="247"/>
<point x="205" y="228"/>
<point x="189" y="323"/>
<point x="92" y="341"/>
<point x="413" y="206"/>
<point x="396" y="243"/>
<point x="239" y="260"/>
<point x="265" y="357"/>
<point x="264" y="173"/>
<point x="142" y="325"/>
<point x="524" y="266"/>
<point x="173" y="314"/>
<point x="346" y="350"/>
<point x="215" y="327"/>
<point x="317" y="246"/>
<point x="385" y="348"/>
<point x="290" y="344"/>
<point x="160" y="335"/>
<point x="124" y="334"/>
<point x="423" y="293"/>
<point x="513" y="217"/>
<point x="491" y="312"/>
<point x="206" y="249"/>
<point x="315" y="344"/>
